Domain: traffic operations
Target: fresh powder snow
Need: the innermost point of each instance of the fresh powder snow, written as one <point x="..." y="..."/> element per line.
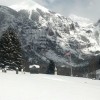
<point x="47" y="87"/>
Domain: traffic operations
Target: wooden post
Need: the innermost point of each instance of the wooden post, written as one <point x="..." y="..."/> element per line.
<point x="16" y="70"/>
<point x="71" y="65"/>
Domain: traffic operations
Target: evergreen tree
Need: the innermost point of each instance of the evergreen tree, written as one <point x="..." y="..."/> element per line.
<point x="51" y="67"/>
<point x="10" y="50"/>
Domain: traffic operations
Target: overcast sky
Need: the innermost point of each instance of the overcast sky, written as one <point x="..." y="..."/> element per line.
<point x="84" y="8"/>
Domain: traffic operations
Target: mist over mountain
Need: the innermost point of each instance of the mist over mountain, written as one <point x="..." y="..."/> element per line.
<point x="45" y="35"/>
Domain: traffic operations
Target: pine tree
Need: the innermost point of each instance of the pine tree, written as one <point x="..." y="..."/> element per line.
<point x="51" y="67"/>
<point x="10" y="50"/>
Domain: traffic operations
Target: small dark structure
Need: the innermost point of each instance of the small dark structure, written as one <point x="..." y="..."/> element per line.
<point x="92" y="67"/>
<point x="4" y="70"/>
<point x="63" y="70"/>
<point x="98" y="76"/>
<point x="43" y="69"/>
<point x="66" y="70"/>
<point x="51" y="67"/>
<point x="34" y="69"/>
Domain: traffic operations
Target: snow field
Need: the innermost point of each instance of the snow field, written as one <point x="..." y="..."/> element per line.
<point x="47" y="87"/>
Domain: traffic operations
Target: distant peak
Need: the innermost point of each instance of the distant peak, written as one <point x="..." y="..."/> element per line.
<point x="72" y="16"/>
<point x="80" y="20"/>
<point x="28" y="5"/>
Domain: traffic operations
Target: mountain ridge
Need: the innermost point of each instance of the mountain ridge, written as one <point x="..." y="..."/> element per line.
<point x="48" y="35"/>
<point x="28" y="5"/>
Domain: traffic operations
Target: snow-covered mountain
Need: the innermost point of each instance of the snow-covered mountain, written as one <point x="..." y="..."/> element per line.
<point x="48" y="35"/>
<point x="83" y="22"/>
<point x="28" y="5"/>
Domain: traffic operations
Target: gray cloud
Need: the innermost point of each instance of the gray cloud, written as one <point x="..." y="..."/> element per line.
<point x="84" y="8"/>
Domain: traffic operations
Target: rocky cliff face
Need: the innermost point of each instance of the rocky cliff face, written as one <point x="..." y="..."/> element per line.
<point x="47" y="35"/>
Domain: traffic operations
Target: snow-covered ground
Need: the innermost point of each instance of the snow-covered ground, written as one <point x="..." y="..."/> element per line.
<point x="47" y="87"/>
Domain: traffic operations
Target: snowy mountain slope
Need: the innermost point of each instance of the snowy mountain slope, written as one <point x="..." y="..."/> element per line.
<point x="7" y="17"/>
<point x="28" y="5"/>
<point x="47" y="35"/>
<point x="42" y="87"/>
<point x="83" y="22"/>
